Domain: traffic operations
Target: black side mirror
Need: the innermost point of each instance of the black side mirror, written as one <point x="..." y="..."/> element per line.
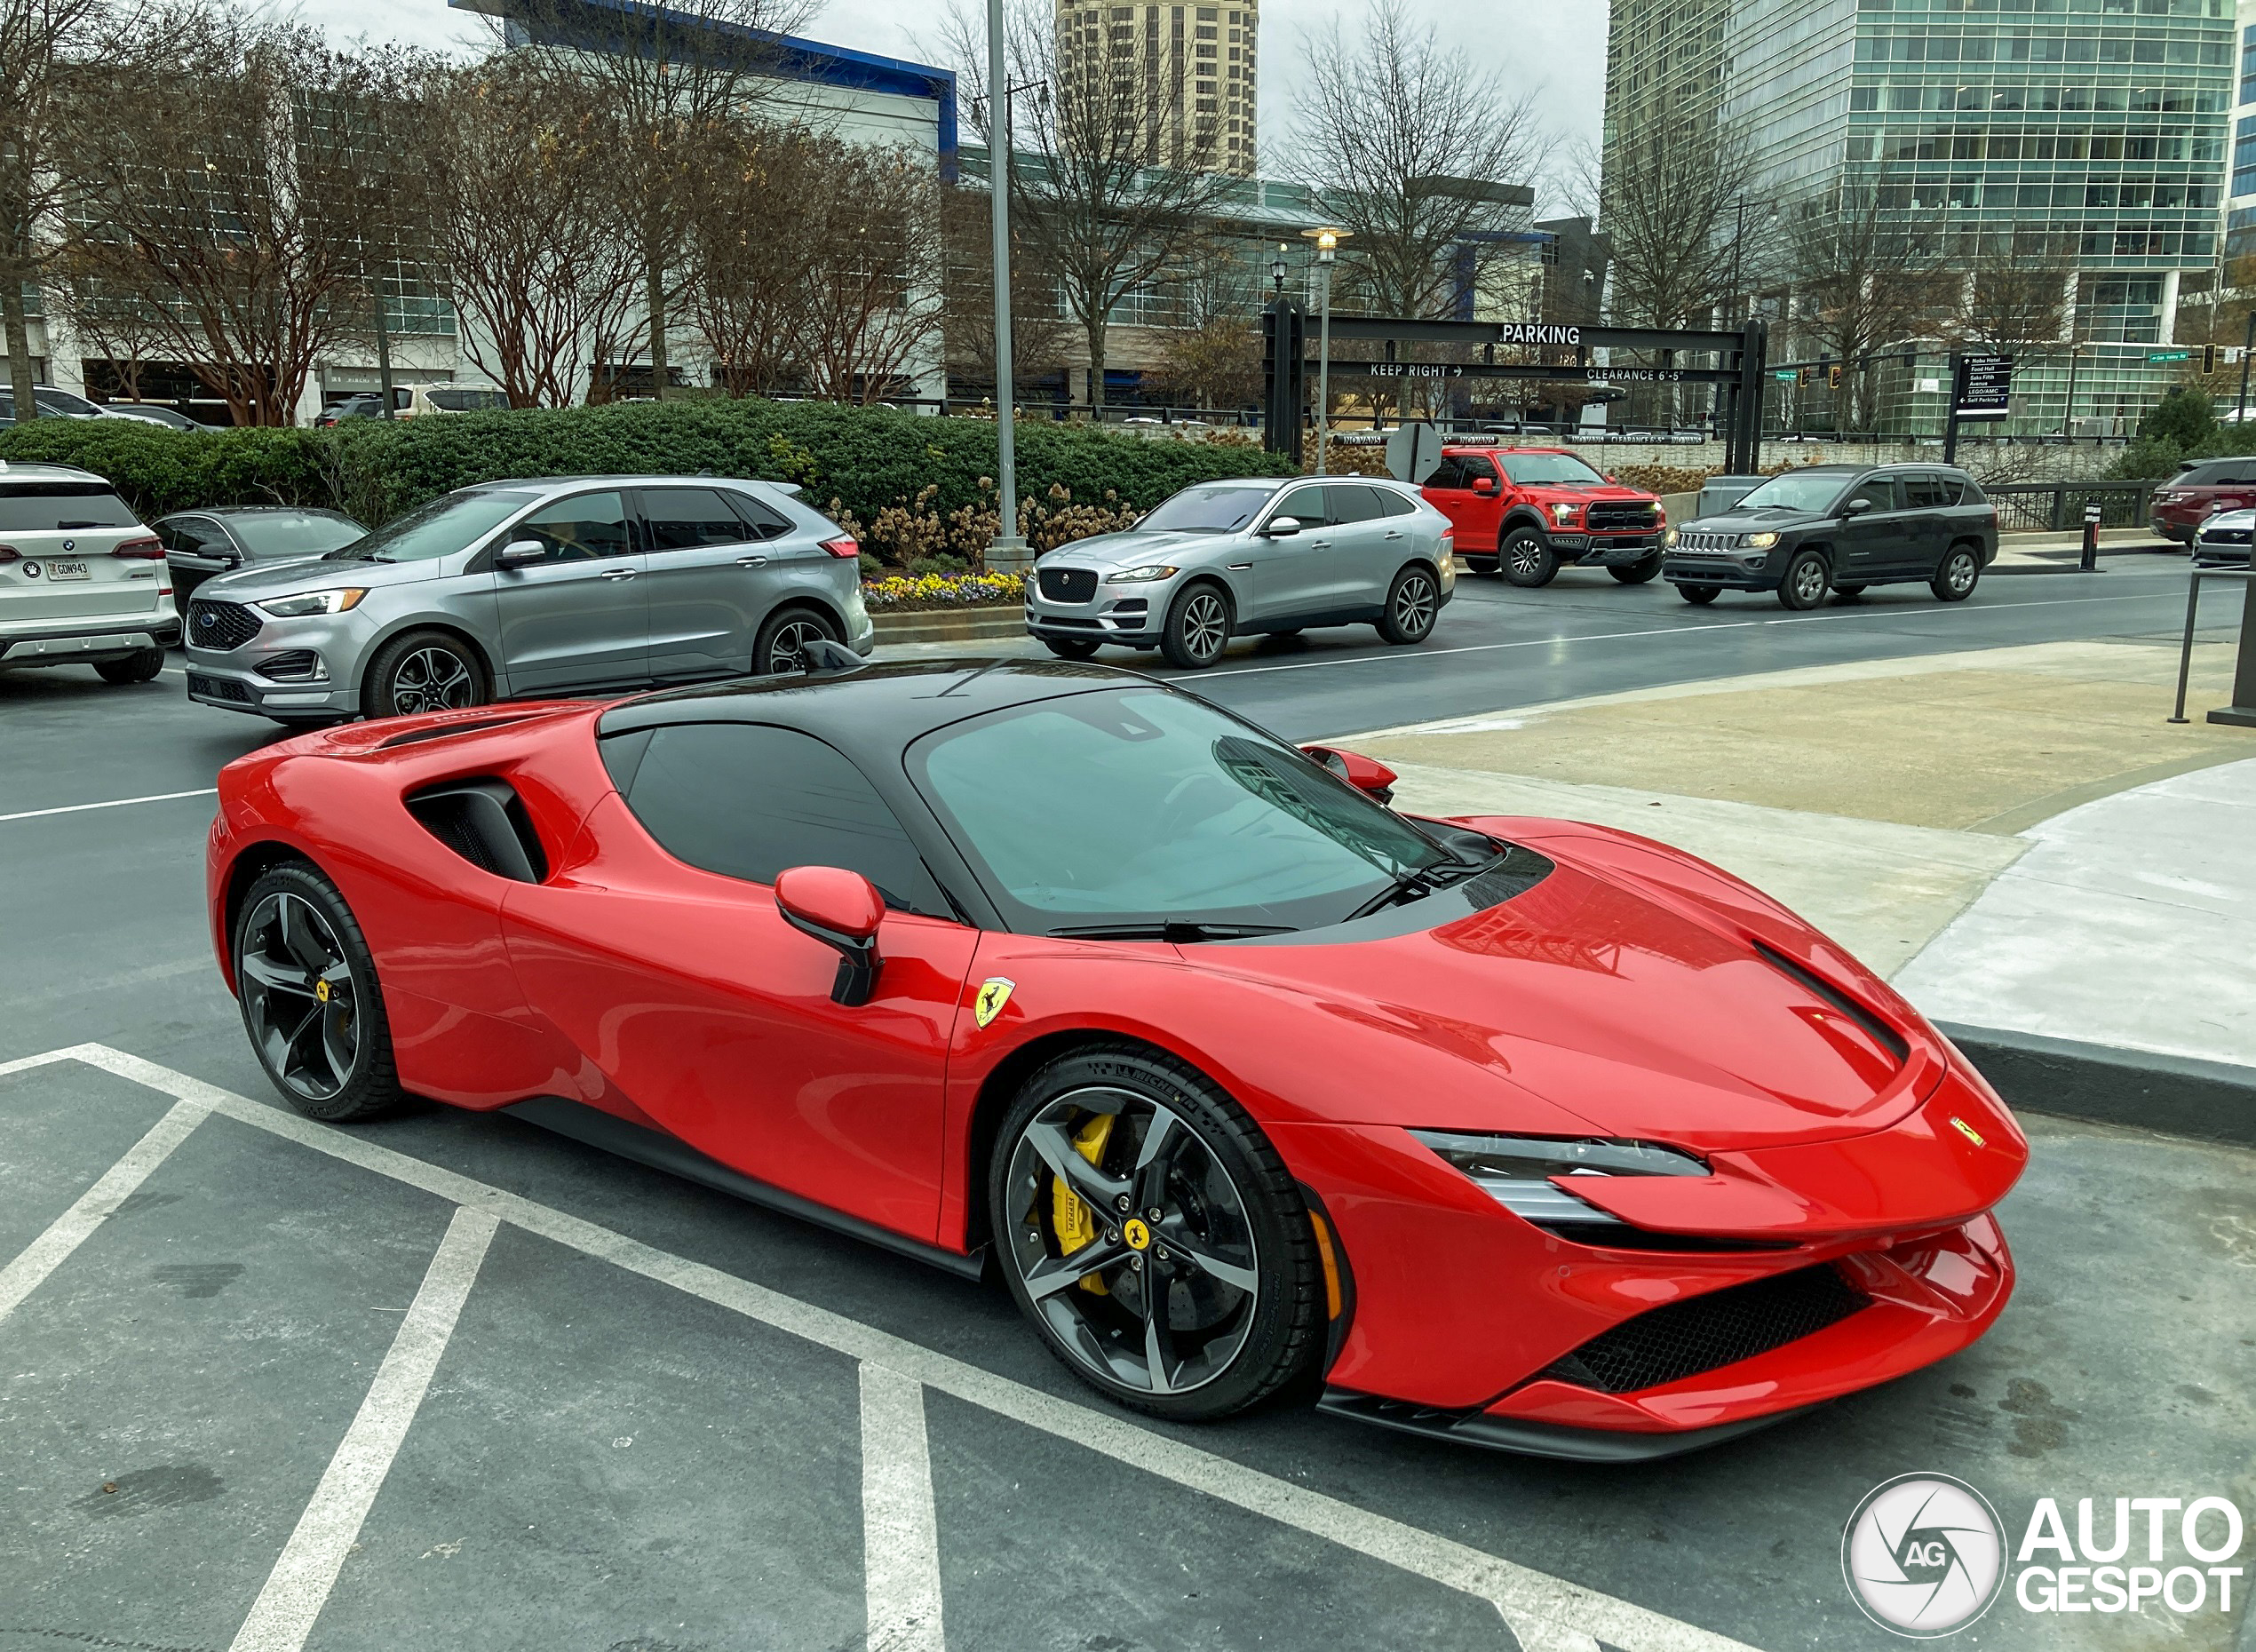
<point x="1856" y="506"/>
<point x="520" y="553"/>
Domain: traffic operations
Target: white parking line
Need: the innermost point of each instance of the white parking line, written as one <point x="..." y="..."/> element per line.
<point x="114" y="803"/>
<point x="298" y="1587"/>
<point x="68" y="1231"/>
<point x="899" y="1532"/>
<point x="1542" y="1610"/>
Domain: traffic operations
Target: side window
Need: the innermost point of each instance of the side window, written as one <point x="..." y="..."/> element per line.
<point x="1448" y="473"/>
<point x="1392" y="504"/>
<point x="581" y="529"/>
<point x="747" y="800"/>
<point x="1347" y="502"/>
<point x="765" y="520"/>
<point x="1307" y="506"/>
<point x="689" y="518"/>
<point x="1476" y="466"/>
<point x="198" y="535"/>
<point x="1879" y="489"/>
<point x="1924" y="490"/>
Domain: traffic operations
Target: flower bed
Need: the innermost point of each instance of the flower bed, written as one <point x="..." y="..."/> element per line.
<point x="937" y="593"/>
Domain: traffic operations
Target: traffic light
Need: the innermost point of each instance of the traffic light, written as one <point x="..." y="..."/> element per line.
<point x="1833" y="375"/>
<point x="2209" y="358"/>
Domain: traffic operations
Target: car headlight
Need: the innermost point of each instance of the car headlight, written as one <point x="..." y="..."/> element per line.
<point x="1516" y="1171"/>
<point x="313" y="602"/>
<point x="1142" y="575"/>
<point x="1668" y="537"/>
<point x="1760" y="541"/>
<point x="1565" y="513"/>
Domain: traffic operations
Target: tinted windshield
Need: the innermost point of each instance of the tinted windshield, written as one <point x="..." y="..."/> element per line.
<point x="49" y="507"/>
<point x="1211" y="508"/>
<point x="453" y="522"/>
<point x="295" y="533"/>
<point x="1142" y="804"/>
<point x="1553" y="468"/>
<point x="1806" y="490"/>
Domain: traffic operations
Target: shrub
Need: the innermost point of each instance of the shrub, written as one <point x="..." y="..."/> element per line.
<point x="158" y="470"/>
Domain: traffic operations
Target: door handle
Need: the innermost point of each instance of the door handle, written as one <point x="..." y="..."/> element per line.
<point x="1394" y="533"/>
<point x="752" y="561"/>
<point x="620" y="573"/>
<point x="1238" y="568"/>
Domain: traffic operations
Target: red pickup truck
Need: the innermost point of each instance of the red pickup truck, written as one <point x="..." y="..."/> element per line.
<point x="1533" y="510"/>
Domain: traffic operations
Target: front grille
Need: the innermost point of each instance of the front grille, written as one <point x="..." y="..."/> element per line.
<point x="1067" y="585"/>
<point x="2224" y="536"/>
<point x="221" y="625"/>
<point x="1684" y="1339"/>
<point x="219" y="688"/>
<point x="1706" y="542"/>
<point x="1618" y="515"/>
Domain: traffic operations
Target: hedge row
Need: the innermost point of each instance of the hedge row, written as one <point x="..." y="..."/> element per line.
<point x="866" y="458"/>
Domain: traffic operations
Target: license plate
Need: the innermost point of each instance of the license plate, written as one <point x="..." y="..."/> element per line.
<point x="66" y="570"/>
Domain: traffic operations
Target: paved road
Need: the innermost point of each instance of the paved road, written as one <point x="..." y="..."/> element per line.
<point x="651" y="1420"/>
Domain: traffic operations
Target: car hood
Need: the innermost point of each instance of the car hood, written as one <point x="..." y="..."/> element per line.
<point x="1626" y="991"/>
<point x="1546" y="492"/>
<point x="1769" y="518"/>
<point x="1106" y="552"/>
<point x="2230" y="519"/>
<point x="268" y="580"/>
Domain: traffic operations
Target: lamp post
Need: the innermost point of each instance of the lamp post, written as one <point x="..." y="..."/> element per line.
<point x="1327" y="238"/>
<point x="1007" y="554"/>
<point x="1276" y="270"/>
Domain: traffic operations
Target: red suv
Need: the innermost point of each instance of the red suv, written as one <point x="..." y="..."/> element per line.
<point x="2195" y="493"/>
<point x="1534" y="510"/>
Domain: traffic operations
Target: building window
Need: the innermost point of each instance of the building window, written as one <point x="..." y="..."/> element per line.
<point x="2245" y="157"/>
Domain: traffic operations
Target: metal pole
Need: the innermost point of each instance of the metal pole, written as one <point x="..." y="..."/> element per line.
<point x="1323" y="367"/>
<point x="2068" y="410"/>
<point x="1950" y="420"/>
<point x="2185" y="650"/>
<point x="2240" y="414"/>
<point x="1007" y="553"/>
<point x="383" y="352"/>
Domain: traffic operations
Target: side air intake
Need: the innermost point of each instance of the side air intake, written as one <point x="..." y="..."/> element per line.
<point x="485" y="823"/>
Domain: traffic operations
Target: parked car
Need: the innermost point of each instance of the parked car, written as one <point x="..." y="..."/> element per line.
<point x="367" y="404"/>
<point x="415" y="400"/>
<point x="81" y="581"/>
<point x="2223" y="541"/>
<point x="2180" y="506"/>
<point x="1261" y="556"/>
<point x="513" y="588"/>
<point x="53" y="404"/>
<point x="150" y="413"/>
<point x="1840" y="529"/>
<point x="1244" y="1084"/>
<point x="1532" y="510"/>
<point x="199" y="544"/>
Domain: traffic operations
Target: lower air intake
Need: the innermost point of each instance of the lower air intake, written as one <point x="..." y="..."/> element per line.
<point x="1669" y="1344"/>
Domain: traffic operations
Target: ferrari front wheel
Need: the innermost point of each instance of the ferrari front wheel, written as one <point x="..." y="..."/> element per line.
<point x="1153" y="1235"/>
<point x="305" y="982"/>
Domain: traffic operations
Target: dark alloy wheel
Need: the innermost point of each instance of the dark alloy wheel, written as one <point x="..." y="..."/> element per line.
<point x="1154" y="1237"/>
<point x="306" y="985"/>
<point x="1805" y="581"/>
<point x="1071" y="647"/>
<point x="424" y="671"/>
<point x="1198" y="625"/>
<point x="779" y="650"/>
<point x="140" y="666"/>
<point x="1955" y="580"/>
<point x="1699" y="596"/>
<point x="1413" y="602"/>
<point x="1636" y="573"/>
<point x="1529" y="559"/>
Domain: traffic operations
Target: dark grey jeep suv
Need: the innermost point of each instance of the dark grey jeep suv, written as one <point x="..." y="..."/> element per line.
<point x="1839" y="528"/>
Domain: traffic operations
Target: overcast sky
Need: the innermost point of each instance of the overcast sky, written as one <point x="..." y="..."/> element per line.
<point x="1556" y="48"/>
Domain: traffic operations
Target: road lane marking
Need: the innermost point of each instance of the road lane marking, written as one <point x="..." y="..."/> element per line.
<point x="73" y="1228"/>
<point x="1554" y="1611"/>
<point x="300" y="1585"/>
<point x="899" y="1532"/>
<point x="114" y="803"/>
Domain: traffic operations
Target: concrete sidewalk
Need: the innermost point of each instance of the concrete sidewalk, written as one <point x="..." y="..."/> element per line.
<point x="2016" y="837"/>
<point x="2055" y="554"/>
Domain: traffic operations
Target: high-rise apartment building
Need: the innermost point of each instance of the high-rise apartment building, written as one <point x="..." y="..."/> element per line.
<point x="1184" y="74"/>
<point x="2240" y="177"/>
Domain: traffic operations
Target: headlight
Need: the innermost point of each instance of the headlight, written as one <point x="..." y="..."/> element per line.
<point x="1668" y="537"/>
<point x="1565" y="513"/>
<point x="1516" y="1171"/>
<point x="1140" y="576"/>
<point x="313" y="602"/>
<point x="1760" y="541"/>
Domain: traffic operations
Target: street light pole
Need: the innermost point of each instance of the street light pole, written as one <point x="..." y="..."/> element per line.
<point x="1008" y="553"/>
<point x="2248" y="344"/>
<point x="1327" y="239"/>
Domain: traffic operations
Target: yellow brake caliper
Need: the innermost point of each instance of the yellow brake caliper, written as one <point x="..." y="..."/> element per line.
<point x="1069" y="1214"/>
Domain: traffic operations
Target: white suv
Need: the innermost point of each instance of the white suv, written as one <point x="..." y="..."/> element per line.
<point x="81" y="581"/>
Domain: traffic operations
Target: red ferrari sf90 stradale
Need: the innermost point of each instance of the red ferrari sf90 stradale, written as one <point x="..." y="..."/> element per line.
<point x="1521" y="1132"/>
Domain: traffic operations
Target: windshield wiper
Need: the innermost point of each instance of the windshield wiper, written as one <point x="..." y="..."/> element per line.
<point x="1420" y="881"/>
<point x="1171" y="929"/>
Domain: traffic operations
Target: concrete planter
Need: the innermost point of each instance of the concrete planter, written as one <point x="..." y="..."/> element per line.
<point x="952" y="624"/>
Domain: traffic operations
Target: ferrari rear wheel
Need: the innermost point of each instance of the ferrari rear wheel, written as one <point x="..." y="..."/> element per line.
<point x="306" y="984"/>
<point x="1154" y="1236"/>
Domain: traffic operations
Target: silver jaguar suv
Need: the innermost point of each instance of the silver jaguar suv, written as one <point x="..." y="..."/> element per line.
<point x="560" y="585"/>
<point x="1230" y="559"/>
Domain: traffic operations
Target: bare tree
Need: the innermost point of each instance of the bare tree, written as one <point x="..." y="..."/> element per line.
<point x="43" y="42"/>
<point x="749" y="253"/>
<point x="1097" y="203"/>
<point x="524" y="190"/>
<point x="226" y="200"/>
<point x="1039" y="339"/>
<point x="1212" y="356"/>
<point x="1861" y="283"/>
<point x="1409" y="145"/>
<point x="2013" y="291"/>
<point x="668" y="75"/>
<point x="1670" y="207"/>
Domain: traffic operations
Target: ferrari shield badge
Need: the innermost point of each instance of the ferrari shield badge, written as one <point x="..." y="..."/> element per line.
<point x="992" y="995"/>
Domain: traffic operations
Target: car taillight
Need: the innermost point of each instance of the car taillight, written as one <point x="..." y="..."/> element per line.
<point x="148" y="548"/>
<point x="8" y="553"/>
<point x="845" y="544"/>
<point x="1449" y="541"/>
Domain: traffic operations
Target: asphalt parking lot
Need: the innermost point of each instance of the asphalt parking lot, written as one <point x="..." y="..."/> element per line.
<point x="450" y="1379"/>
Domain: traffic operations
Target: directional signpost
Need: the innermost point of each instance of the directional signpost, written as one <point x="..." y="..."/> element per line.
<point x="1980" y="387"/>
<point x="2156" y="358"/>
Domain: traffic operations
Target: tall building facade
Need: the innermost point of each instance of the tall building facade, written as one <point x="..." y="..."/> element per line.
<point x="2240" y="178"/>
<point x="1187" y="74"/>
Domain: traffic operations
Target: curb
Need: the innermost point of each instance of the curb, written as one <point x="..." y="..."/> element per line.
<point x="965" y="627"/>
<point x="2208" y="1101"/>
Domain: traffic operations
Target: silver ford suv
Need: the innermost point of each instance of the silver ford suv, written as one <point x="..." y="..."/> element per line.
<point x="1233" y="559"/>
<point x="560" y="586"/>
